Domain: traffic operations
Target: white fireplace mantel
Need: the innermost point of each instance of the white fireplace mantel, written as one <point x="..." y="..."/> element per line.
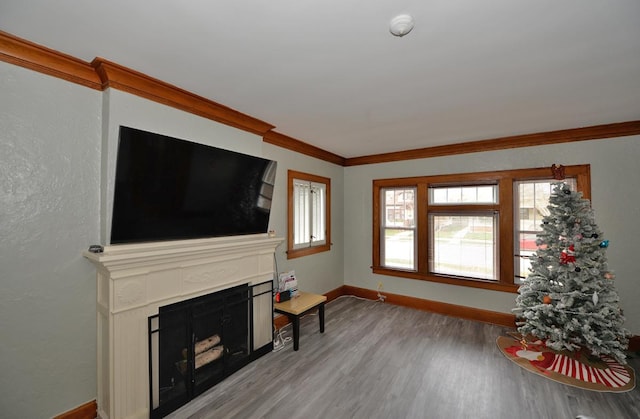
<point x="134" y="280"/>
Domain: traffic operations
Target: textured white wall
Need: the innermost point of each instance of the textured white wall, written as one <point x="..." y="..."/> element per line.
<point x="615" y="176"/>
<point x="49" y="191"/>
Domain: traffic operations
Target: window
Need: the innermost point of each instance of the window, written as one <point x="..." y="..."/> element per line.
<point x="465" y="245"/>
<point x="309" y="221"/>
<point x="472" y="229"/>
<point x="398" y="228"/>
<point x="531" y="200"/>
<point x="463" y="226"/>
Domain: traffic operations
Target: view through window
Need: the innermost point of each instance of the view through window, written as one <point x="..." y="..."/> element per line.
<point x="474" y="229"/>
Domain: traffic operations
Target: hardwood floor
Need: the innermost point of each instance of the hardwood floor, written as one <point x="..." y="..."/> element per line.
<point x="376" y="360"/>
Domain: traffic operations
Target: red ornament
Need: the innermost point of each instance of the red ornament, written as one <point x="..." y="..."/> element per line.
<point x="568" y="256"/>
<point x="546" y="299"/>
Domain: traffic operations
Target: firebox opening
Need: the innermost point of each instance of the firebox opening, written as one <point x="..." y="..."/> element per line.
<point x="195" y="344"/>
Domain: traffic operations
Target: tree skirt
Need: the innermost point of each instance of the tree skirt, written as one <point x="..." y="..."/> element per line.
<point x="604" y="374"/>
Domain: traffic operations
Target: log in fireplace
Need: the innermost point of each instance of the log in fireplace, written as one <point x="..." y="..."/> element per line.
<point x="195" y="344"/>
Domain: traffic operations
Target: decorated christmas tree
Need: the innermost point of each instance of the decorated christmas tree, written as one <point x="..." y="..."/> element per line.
<point x="569" y="300"/>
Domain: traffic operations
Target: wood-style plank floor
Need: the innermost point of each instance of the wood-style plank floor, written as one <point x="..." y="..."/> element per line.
<point x="377" y="360"/>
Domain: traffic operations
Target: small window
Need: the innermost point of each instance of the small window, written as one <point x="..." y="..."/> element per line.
<point x="484" y="194"/>
<point x="398" y="228"/>
<point x="309" y="199"/>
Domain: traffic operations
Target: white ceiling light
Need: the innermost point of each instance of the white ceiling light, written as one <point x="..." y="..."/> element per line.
<point x="401" y="25"/>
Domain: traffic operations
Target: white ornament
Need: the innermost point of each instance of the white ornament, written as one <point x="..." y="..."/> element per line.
<point x="595" y="298"/>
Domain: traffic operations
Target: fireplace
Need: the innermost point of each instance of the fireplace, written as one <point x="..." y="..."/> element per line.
<point x="139" y="284"/>
<point x="195" y="344"/>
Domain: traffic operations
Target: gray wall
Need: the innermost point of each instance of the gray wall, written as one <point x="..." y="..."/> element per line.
<point x="49" y="205"/>
<point x="320" y="272"/>
<point x="615" y="177"/>
<point x="57" y="160"/>
<point x="57" y="147"/>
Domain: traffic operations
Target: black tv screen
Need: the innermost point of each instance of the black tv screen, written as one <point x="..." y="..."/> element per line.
<point x="172" y="189"/>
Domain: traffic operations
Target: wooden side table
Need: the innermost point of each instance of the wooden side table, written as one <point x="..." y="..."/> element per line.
<point x="298" y="307"/>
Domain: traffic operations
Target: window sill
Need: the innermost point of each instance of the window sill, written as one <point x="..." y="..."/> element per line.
<point x="489" y="285"/>
<point x="296" y="253"/>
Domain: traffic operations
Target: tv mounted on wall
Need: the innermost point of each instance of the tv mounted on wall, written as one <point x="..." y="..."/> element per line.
<point x="172" y="189"/>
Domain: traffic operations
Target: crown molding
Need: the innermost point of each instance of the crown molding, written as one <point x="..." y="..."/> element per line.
<point x="122" y="78"/>
<point x="621" y="129"/>
<point x="284" y="141"/>
<point x="47" y="61"/>
<point x="101" y="74"/>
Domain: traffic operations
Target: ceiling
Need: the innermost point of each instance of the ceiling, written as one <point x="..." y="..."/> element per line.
<point x="329" y="72"/>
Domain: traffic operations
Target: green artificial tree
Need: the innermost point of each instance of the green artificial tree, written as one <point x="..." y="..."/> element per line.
<point x="569" y="299"/>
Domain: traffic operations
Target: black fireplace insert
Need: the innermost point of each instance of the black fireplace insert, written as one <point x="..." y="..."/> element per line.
<point x="195" y="344"/>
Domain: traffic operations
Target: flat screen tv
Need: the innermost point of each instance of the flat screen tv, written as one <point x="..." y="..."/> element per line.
<point x="172" y="189"/>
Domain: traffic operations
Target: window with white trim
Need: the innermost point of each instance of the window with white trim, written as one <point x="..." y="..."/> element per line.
<point x="308" y="215"/>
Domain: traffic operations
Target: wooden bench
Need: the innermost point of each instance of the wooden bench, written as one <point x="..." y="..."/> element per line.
<point x="297" y="307"/>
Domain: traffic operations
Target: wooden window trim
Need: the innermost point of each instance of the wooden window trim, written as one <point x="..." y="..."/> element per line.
<point x="505" y="180"/>
<point x="296" y="253"/>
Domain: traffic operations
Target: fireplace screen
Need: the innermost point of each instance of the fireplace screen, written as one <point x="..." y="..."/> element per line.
<point x="194" y="344"/>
